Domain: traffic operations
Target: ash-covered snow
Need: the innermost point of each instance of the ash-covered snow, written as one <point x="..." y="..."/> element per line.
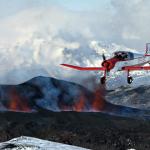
<point x="29" y="143"/>
<point x="137" y="97"/>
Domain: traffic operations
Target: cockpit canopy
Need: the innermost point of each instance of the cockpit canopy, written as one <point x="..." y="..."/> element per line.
<point x="123" y="55"/>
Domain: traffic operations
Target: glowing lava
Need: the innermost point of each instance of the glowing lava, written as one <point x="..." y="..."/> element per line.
<point x="80" y="105"/>
<point x="18" y="103"/>
<point x="86" y="103"/>
<point x="98" y="103"/>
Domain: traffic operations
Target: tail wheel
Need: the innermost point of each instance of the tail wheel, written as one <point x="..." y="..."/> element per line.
<point x="103" y="80"/>
<point x="129" y="79"/>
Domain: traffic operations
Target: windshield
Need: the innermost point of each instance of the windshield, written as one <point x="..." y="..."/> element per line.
<point x="124" y="55"/>
<point x="121" y="55"/>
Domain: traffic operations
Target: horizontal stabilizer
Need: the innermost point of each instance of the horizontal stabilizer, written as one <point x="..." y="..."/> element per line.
<point x="84" y="68"/>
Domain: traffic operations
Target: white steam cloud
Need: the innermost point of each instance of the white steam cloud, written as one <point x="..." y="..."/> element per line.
<point x="34" y="42"/>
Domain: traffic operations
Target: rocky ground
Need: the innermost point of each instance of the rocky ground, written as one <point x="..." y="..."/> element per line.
<point x="96" y="131"/>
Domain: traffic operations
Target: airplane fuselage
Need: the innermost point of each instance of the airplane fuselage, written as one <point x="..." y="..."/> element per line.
<point x="137" y="61"/>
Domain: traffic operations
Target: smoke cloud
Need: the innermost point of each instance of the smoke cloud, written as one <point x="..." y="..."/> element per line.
<point x="35" y="41"/>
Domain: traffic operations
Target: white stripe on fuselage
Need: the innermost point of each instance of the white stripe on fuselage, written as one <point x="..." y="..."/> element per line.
<point x="134" y="62"/>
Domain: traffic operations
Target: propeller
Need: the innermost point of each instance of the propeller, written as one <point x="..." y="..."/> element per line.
<point x="104" y="57"/>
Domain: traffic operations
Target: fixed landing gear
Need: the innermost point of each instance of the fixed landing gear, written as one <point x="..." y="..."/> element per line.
<point x="103" y="80"/>
<point x="129" y="78"/>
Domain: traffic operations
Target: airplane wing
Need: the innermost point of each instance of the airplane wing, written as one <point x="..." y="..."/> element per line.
<point x="84" y="68"/>
<point x="134" y="68"/>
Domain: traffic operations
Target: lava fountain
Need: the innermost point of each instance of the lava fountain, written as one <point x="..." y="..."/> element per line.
<point x="86" y="102"/>
<point x="17" y="102"/>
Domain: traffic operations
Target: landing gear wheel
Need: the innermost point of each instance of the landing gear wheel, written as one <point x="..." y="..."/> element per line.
<point x="129" y="79"/>
<point x="103" y="80"/>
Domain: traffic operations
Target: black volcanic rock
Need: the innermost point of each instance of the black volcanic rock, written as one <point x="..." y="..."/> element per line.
<point x="96" y="131"/>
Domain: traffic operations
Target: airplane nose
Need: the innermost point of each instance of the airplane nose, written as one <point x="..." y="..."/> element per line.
<point x="110" y="63"/>
<point x="106" y="64"/>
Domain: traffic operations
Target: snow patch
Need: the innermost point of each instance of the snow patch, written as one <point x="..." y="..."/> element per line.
<point x="29" y="143"/>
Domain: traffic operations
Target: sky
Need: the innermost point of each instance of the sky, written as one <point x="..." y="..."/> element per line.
<point x="119" y="21"/>
<point x="10" y="7"/>
<point x="82" y="5"/>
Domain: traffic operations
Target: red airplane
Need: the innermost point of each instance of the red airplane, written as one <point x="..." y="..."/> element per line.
<point x="121" y="61"/>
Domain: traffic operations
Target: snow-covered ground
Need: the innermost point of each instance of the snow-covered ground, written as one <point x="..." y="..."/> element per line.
<point x="28" y="143"/>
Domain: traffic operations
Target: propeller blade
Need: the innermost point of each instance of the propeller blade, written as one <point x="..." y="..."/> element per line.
<point x="104" y="57"/>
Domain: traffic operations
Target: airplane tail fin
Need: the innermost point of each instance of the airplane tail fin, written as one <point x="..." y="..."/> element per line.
<point x="147" y="53"/>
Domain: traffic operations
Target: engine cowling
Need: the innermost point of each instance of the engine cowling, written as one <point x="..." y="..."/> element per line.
<point x="109" y="64"/>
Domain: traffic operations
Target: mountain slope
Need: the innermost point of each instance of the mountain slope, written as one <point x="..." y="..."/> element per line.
<point x="57" y="95"/>
<point x="137" y="97"/>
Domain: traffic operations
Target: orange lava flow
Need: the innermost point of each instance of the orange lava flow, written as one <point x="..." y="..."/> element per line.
<point x="17" y="103"/>
<point x="98" y="102"/>
<point x="86" y="101"/>
<point x="95" y="103"/>
<point x="80" y="105"/>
